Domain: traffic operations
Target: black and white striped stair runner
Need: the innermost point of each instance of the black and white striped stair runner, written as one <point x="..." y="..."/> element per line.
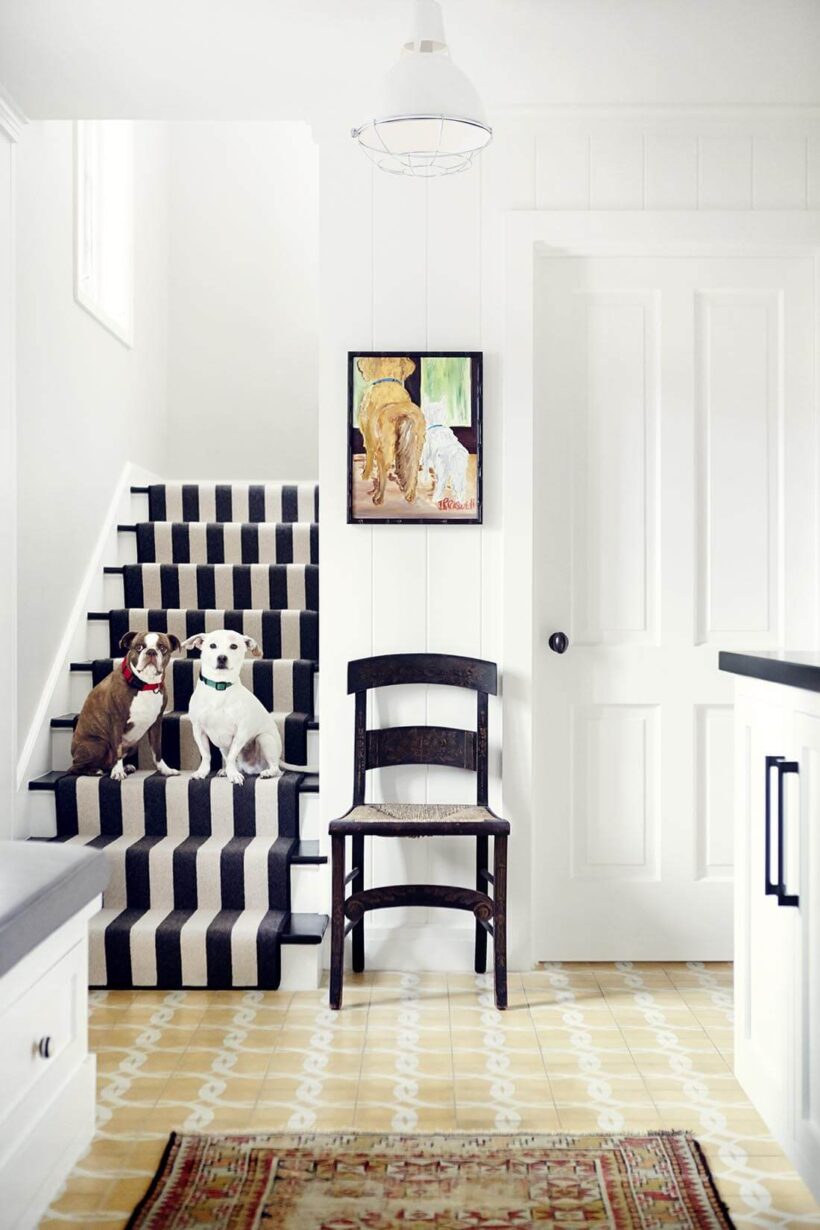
<point x="200" y="891"/>
<point x="233" y="502"/>
<point x="241" y="587"/>
<point x="279" y="634"/>
<point x="212" y="542"/>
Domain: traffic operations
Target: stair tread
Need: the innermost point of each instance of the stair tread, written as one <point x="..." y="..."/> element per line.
<point x="69" y="720"/>
<point x="299" y="929"/>
<point x="305" y="853"/>
<point x="309" y="783"/>
<point x="87" y="664"/>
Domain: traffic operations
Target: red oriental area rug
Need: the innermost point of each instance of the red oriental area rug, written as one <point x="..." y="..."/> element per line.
<point x="658" y="1181"/>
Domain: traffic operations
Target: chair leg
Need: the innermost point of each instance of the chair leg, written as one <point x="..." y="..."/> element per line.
<point x="337" y="920"/>
<point x="482" y="858"/>
<point x="500" y="920"/>
<point x="358" y="887"/>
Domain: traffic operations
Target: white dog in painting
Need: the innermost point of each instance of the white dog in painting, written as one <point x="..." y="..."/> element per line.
<point x="444" y="455"/>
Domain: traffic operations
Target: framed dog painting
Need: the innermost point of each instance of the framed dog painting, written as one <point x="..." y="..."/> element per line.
<point x="414" y="437"/>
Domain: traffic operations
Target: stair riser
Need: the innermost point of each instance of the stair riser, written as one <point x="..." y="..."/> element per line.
<point x="216" y="543"/>
<point x="61" y="751"/>
<point x="302" y="964"/>
<point x="80" y="681"/>
<point x="206" y="879"/>
<point x="43" y="817"/>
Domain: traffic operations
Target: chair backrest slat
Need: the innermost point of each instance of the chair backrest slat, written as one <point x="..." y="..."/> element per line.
<point x="450" y="669"/>
<point x="439" y="745"/>
<point x="434" y="745"/>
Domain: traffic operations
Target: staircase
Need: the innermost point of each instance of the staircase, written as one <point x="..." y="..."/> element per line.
<point x="212" y="885"/>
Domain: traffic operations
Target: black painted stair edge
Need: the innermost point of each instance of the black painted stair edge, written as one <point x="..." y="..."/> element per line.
<point x="305" y="929"/>
<point x="48" y="781"/>
<point x="67" y="721"/>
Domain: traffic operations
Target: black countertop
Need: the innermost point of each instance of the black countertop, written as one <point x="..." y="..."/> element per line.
<point x="795" y="668"/>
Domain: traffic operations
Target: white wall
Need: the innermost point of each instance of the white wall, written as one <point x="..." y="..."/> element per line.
<point x="9" y="131"/>
<point x="242" y="284"/>
<point x="86" y="404"/>
<point x="422" y="265"/>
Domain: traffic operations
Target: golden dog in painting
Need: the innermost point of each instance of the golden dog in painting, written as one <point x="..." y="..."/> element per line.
<point x="392" y="426"/>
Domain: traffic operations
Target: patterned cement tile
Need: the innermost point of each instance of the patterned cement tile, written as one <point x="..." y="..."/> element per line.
<point x="583" y="1047"/>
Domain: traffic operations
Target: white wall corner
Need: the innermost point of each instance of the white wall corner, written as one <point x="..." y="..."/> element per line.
<point x="35" y="753"/>
<point x="12" y="117"/>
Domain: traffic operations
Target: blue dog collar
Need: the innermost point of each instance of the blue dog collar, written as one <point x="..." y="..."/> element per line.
<point x="387" y="380"/>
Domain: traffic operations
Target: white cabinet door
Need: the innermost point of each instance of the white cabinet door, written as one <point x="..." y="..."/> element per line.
<point x="807" y="744"/>
<point x="766" y="952"/>
<point x="674" y="516"/>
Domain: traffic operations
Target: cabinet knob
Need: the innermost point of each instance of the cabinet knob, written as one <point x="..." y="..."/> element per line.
<point x="559" y="642"/>
<point x="44" y="1048"/>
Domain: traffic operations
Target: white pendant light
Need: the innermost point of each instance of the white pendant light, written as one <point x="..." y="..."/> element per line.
<point x="429" y="119"/>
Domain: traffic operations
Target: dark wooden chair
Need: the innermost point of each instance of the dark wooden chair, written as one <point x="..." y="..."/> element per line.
<point x="431" y="745"/>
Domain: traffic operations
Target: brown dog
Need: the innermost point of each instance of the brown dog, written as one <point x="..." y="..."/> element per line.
<point x="127" y="704"/>
<point x="392" y="426"/>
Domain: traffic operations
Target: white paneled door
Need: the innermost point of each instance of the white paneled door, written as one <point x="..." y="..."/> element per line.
<point x="674" y="516"/>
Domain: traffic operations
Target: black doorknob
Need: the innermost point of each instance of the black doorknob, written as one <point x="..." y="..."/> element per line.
<point x="559" y="642"/>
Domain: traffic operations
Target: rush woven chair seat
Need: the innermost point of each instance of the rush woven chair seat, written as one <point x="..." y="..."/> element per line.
<point x="428" y="745"/>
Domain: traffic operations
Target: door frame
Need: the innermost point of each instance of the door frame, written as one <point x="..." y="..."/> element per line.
<point x="528" y="236"/>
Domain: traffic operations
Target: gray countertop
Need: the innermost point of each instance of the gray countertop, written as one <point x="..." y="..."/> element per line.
<point x="42" y="884"/>
<point x="795" y="668"/>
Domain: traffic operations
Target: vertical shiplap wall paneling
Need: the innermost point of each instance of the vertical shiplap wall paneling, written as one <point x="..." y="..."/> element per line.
<point x="346" y="574"/>
<point x="399" y="598"/>
<point x="454" y="575"/>
<point x="508" y="182"/>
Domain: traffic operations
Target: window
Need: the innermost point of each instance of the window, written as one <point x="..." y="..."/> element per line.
<point x="104" y="216"/>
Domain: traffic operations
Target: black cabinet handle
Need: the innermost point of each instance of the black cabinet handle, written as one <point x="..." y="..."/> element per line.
<point x="559" y="642"/>
<point x="777" y="888"/>
<point x="771" y="886"/>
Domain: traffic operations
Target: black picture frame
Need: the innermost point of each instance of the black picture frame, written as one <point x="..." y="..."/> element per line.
<point x="450" y="511"/>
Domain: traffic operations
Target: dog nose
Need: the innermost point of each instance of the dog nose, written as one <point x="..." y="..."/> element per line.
<point x="222" y="659"/>
<point x="150" y="653"/>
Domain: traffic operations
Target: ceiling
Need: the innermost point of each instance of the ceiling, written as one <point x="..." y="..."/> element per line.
<point x="297" y="59"/>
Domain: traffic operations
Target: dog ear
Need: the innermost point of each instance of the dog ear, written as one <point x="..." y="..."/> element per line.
<point x="126" y="641"/>
<point x="407" y="368"/>
<point x="174" y="642"/>
<point x="193" y="642"/>
<point x="369" y="367"/>
<point x="252" y="647"/>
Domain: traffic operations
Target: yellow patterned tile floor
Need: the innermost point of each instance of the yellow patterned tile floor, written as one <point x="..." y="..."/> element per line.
<point x="581" y="1048"/>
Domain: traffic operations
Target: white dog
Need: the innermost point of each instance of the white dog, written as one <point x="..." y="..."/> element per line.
<point x="444" y="454"/>
<point x="224" y="711"/>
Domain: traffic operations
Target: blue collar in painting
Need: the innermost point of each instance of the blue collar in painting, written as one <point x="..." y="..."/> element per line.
<point x="387" y="380"/>
<point x="220" y="686"/>
<point x="433" y="426"/>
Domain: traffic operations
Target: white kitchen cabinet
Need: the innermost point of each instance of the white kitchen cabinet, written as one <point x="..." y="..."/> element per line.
<point x="777" y="905"/>
<point x="47" y="1076"/>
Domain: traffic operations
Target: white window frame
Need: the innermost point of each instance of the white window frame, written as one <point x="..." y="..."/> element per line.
<point x="104" y="226"/>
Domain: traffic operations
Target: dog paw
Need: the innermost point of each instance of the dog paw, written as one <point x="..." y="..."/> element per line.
<point x="118" y="773"/>
<point x="166" y="770"/>
<point x="202" y="773"/>
<point x="234" y="776"/>
<point x="130" y="768"/>
<point x="271" y="773"/>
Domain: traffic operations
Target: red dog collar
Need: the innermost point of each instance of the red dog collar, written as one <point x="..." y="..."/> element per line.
<point x="132" y="680"/>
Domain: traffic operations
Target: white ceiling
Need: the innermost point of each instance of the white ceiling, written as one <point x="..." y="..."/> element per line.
<point x="294" y="59"/>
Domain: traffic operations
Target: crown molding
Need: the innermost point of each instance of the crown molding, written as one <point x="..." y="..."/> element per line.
<point x="12" y="117"/>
